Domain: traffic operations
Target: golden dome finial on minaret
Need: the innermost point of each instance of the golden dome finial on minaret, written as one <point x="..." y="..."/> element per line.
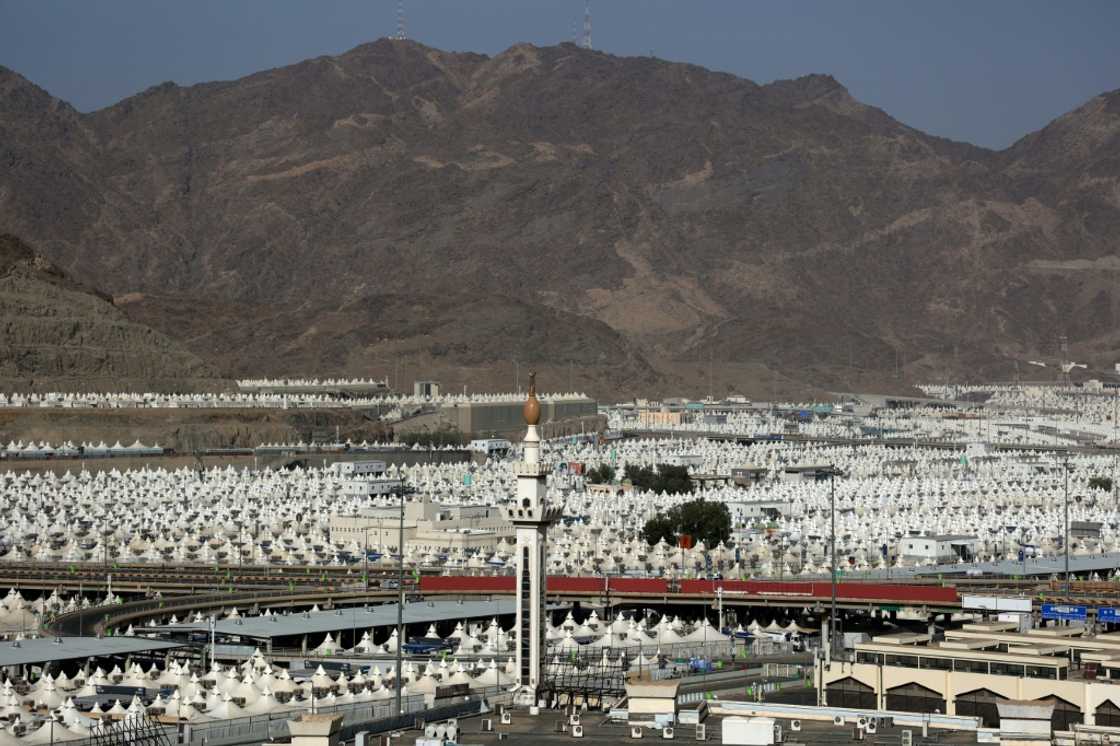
<point x="532" y="409"/>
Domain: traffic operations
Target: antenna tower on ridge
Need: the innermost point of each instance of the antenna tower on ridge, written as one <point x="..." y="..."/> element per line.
<point x="587" y="25"/>
<point x="400" y="21"/>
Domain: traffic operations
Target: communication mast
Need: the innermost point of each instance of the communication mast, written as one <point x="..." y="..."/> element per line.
<point x="587" y="25"/>
<point x="400" y="35"/>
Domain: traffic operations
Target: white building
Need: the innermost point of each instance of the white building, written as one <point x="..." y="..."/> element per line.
<point x="428" y="528"/>
<point x="371" y="487"/>
<point x="491" y="446"/>
<point x="941" y="548"/>
<point x="359" y="468"/>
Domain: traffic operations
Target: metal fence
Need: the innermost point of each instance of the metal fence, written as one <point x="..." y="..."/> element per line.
<point x="375" y="717"/>
<point x="270" y="725"/>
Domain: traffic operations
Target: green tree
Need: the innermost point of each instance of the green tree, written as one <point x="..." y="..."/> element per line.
<point x="673" y="480"/>
<point x="1101" y="483"/>
<point x="642" y="477"/>
<point x="436" y="439"/>
<point x="659" y="527"/>
<point x="603" y="474"/>
<point x="704" y="521"/>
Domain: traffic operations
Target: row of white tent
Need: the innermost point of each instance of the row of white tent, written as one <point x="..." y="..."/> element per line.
<point x="263" y="399"/>
<point x="1005" y="499"/>
<point x="32" y="449"/>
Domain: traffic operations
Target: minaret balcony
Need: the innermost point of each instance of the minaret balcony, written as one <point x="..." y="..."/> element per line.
<point x="535" y="514"/>
<point x="523" y="469"/>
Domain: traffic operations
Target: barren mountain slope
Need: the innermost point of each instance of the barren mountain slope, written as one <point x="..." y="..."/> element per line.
<point x="55" y="331"/>
<point x="622" y="217"/>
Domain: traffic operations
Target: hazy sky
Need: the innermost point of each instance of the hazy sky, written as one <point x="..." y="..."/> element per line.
<point x="985" y="71"/>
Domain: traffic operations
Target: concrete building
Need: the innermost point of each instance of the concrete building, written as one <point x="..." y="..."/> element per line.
<point x="938" y="549"/>
<point x="358" y="468"/>
<point x="428" y="528"/>
<point x="609" y="490"/>
<point x="500" y="418"/>
<point x="981" y="667"/>
<point x="655" y="417"/>
<point x="748" y="511"/>
<point x="315" y="729"/>
<point x="1085" y="529"/>
<point x="371" y="487"/>
<point x="804" y="471"/>
<point x="490" y="447"/>
<point x="505" y="417"/>
<point x="652" y="702"/>
<point x="425" y="389"/>
<point x="1024" y="722"/>
<point x="745" y="476"/>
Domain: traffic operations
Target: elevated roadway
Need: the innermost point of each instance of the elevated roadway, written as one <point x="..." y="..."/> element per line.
<point x="626" y="592"/>
<point x="185" y="580"/>
<point x="180" y="579"/>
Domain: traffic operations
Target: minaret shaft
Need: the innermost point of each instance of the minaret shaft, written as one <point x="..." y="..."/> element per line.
<point x="531" y="516"/>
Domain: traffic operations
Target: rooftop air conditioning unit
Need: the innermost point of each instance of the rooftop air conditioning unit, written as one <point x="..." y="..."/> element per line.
<point x="635" y="731"/>
<point x="577" y="731"/>
<point x="667" y="733"/>
<point x="795" y="726"/>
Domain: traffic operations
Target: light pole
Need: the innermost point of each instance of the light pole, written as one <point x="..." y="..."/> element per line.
<point x="831" y="472"/>
<point x="400" y="602"/>
<point x="1065" y="544"/>
<point x="832" y="558"/>
<point x="213" y="635"/>
<point x="365" y="555"/>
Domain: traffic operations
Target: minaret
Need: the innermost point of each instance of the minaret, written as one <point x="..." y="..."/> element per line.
<point x="531" y="516"/>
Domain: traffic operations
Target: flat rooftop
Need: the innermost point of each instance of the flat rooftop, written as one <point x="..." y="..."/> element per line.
<point x="357" y="617"/>
<point x="44" y="650"/>
<point x="549" y="728"/>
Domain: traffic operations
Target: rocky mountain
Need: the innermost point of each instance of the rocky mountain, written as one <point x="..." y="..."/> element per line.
<point x="55" y="331"/>
<point x="628" y="225"/>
